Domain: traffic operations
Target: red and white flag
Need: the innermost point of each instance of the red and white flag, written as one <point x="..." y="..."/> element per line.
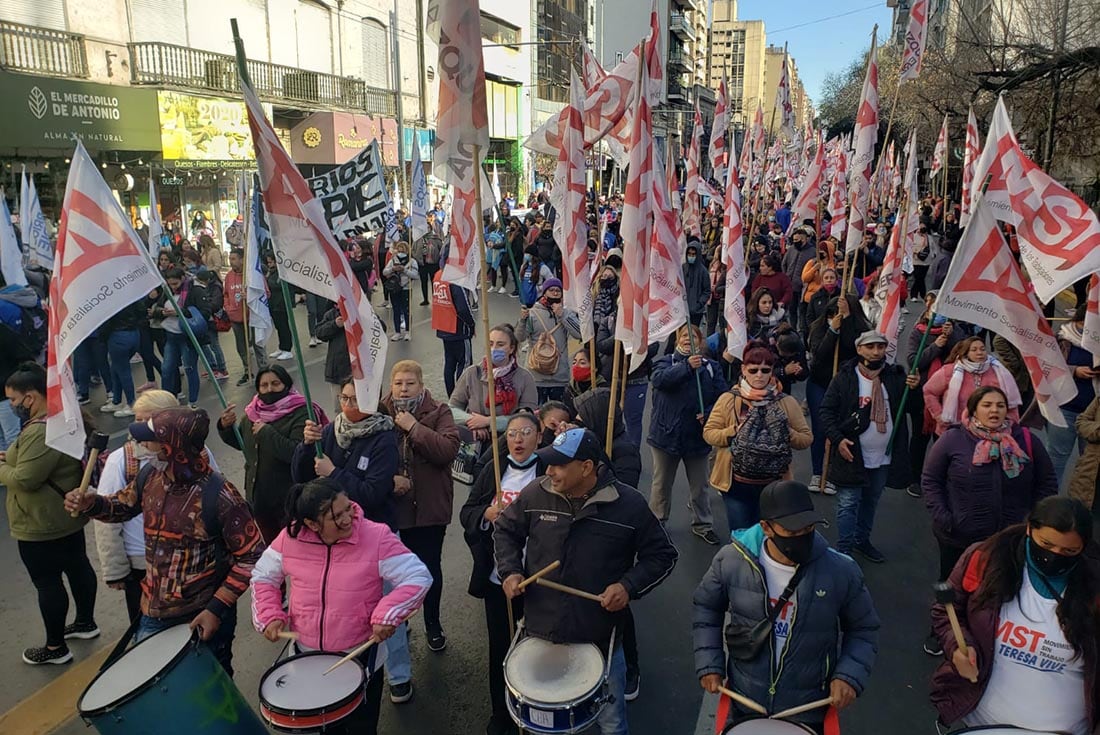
<point x="307" y="253"/>
<point x="1090" y="333"/>
<point x="717" y="151"/>
<point x="805" y="207"/>
<point x="101" y="267"/>
<point x="691" y="216"/>
<point x="591" y="69"/>
<point x="939" y="153"/>
<point x="783" y="99"/>
<point x="838" y="199"/>
<point x="970" y="160"/>
<point x="570" y="225"/>
<point x="667" y="301"/>
<point x="737" y="279"/>
<point x="984" y="287"/>
<point x="915" y="39"/>
<point x="759" y="134"/>
<point x="889" y="289"/>
<point x="636" y="230"/>
<point x="863" y="160"/>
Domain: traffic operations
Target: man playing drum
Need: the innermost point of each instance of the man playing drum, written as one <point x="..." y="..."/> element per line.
<point x="608" y="542"/>
<point x="201" y="541"/>
<point x="810" y="596"/>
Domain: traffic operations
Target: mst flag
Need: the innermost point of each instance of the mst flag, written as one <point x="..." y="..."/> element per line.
<point x="863" y="160"/>
<point x="939" y="153"/>
<point x="889" y="287"/>
<point x="805" y="206"/>
<point x="667" y="304"/>
<point x="733" y="257"/>
<point x="838" y="199"/>
<point x="1090" y="333"/>
<point x="691" y="216"/>
<point x="915" y="39"/>
<point x="717" y="151"/>
<point x="985" y="287"/>
<point x="783" y="99"/>
<point x="101" y="267"/>
<point x="306" y="251"/>
<point x="32" y="225"/>
<point x="970" y="160"/>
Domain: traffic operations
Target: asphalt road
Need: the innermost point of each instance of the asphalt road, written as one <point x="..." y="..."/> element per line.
<point x="451" y="687"/>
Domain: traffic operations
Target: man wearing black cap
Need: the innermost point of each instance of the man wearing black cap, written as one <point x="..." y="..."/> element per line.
<point x="816" y="604"/>
<point x="608" y="542"/>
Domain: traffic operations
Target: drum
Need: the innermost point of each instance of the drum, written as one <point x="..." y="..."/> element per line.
<point x="169" y="684"/>
<point x="999" y="730"/>
<point x="296" y="696"/>
<point x="764" y="726"/>
<point x="554" y="687"/>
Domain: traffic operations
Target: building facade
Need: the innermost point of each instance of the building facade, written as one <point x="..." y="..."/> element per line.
<point x="737" y="51"/>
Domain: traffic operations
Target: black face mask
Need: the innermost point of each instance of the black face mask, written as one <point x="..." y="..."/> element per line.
<point x="873" y="364"/>
<point x="22" y="412"/>
<point x="271" y="398"/>
<point x="1049" y="563"/>
<point x="552" y="301"/>
<point x="796" y="548"/>
<point x="548" y="437"/>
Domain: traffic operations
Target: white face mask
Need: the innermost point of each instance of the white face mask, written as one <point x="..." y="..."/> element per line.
<point x="140" y="452"/>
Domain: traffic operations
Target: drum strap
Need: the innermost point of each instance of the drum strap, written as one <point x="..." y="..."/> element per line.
<point x="120" y="647"/>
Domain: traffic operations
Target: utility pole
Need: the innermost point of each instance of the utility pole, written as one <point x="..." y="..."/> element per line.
<point x="1055" y="90"/>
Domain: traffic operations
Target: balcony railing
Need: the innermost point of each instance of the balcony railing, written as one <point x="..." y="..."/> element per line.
<point x="678" y="24"/>
<point x="42" y="51"/>
<point x="162" y="63"/>
<point x="680" y="59"/>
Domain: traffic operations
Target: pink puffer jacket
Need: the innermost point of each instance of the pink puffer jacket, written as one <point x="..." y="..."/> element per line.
<point x="336" y="591"/>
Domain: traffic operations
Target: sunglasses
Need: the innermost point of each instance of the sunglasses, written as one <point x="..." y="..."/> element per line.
<point x="758" y="370"/>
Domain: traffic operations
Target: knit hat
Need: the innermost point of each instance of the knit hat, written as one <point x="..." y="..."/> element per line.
<point x="548" y="284"/>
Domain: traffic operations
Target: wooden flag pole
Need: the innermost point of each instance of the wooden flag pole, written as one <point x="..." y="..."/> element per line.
<point x="619" y="356"/>
<point x="300" y="360"/>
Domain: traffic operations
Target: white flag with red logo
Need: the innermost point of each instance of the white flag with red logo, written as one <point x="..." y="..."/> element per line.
<point x="1090" y="333"/>
<point x="307" y="253"/>
<point x="783" y="99"/>
<point x="889" y="288"/>
<point x="667" y="301"/>
<point x="570" y="226"/>
<point x="733" y="257"/>
<point x="101" y="267"/>
<point x="838" y="199"/>
<point x="939" y="153"/>
<point x="863" y="160"/>
<point x="984" y="287"/>
<point x="592" y="72"/>
<point x="915" y="39"/>
<point x="691" y="216"/>
<point x="970" y="160"/>
<point x="805" y="207"/>
<point x="717" y="151"/>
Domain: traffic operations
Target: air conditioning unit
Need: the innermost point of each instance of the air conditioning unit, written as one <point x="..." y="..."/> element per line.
<point x="220" y="74"/>
<point x="302" y="85"/>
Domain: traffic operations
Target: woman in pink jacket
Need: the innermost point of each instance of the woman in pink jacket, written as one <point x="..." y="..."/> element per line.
<point x="336" y="562"/>
<point x="968" y="367"/>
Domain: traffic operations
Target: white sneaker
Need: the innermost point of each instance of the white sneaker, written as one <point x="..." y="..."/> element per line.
<point x="408" y="336"/>
<point x="110" y="407"/>
<point x="502" y="289"/>
<point x="124" y="413"/>
<point x="815" y="484"/>
<point x="275" y="355"/>
<point x="285" y="355"/>
<point x="313" y="342"/>
<point x="395" y="336"/>
<point x="830" y="488"/>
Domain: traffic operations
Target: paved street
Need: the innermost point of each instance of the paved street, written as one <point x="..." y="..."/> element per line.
<point x="451" y="689"/>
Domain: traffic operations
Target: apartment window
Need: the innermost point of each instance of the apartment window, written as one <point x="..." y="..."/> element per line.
<point x="376" y="68"/>
<point x="41" y="13"/>
<point x="159" y="20"/>
<point x="496" y="30"/>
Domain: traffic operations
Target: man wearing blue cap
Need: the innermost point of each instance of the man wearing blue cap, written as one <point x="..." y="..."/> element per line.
<point x="608" y="541"/>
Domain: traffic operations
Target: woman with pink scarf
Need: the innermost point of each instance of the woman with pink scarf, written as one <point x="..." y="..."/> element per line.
<point x="968" y="367"/>
<point x="271" y="429"/>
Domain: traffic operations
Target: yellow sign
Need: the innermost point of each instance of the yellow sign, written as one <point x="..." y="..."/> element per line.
<point x="203" y="128"/>
<point x="311" y="136"/>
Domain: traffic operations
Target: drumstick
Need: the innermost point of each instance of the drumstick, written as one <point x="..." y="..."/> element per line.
<point x="351" y="655"/>
<point x="945" y="595"/>
<point x="288" y="635"/>
<point x="802" y="708"/>
<point x="545" y="570"/>
<point x="568" y="590"/>
<point x="97" y="443"/>
<point x="743" y="700"/>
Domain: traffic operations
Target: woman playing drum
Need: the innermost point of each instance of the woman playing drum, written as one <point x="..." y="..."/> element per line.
<point x="1026" y="606"/>
<point x="336" y="561"/>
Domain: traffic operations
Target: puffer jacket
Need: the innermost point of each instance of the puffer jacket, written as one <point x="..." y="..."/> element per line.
<point x="969" y="502"/>
<point x="337" y="361"/>
<point x="37" y="478"/>
<point x="935" y="390"/>
<point x="336" y="590"/>
<point x="591" y="411"/>
<point x="833" y="634"/>
<point x="673" y="427"/>
<point x="426" y="452"/>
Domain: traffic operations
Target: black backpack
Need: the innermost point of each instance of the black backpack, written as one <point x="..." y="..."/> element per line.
<point x="211" y="489"/>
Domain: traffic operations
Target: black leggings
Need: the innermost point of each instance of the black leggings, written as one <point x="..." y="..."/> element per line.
<point x="427" y="273"/>
<point x="46" y="561"/>
<point x="281" y="318"/>
<point x="427" y="543"/>
<point x="496" y="624"/>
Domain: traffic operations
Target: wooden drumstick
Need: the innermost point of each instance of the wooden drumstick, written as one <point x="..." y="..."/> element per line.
<point x="351" y="655"/>
<point x="743" y="701"/>
<point x="288" y="635"/>
<point x="802" y="708"/>
<point x="945" y="595"/>
<point x="568" y="590"/>
<point x="544" y="571"/>
<point x="96" y="443"/>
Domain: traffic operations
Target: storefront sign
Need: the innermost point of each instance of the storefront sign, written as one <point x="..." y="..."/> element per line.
<point x="354" y="196"/>
<point x="171" y="181"/>
<point x="204" y="132"/>
<point x="333" y="138"/>
<point x="41" y="112"/>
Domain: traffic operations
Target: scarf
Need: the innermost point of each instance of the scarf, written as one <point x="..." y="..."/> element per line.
<point x="257" y="410"/>
<point x="1005" y="382"/>
<point x="878" y="401"/>
<point x="347" y="431"/>
<point x="777" y="315"/>
<point x="754" y="396"/>
<point x="996" y="444"/>
<point x="505" y="390"/>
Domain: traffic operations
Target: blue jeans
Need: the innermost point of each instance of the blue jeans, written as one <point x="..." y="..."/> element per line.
<point x="1062" y="441"/>
<point x="9" y="425"/>
<point x="634" y="409"/>
<point x="220" y="644"/>
<point x="90" y="358"/>
<point x="177" y="349"/>
<point x="815" y="394"/>
<point x="149" y="359"/>
<point x="121" y="346"/>
<point x="400" y="302"/>
<point x="742" y="503"/>
<point x="612" y="718"/>
<point x="213" y="350"/>
<point x="855" y="509"/>
<point x="398" y="662"/>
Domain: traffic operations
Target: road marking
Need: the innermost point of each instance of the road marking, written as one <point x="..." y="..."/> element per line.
<point x="54" y="704"/>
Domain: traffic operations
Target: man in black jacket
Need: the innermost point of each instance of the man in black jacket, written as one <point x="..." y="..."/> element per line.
<point x="609" y="542"/>
<point x="858" y="414"/>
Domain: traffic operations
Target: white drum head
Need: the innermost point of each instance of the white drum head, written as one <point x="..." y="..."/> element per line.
<point x="767" y="727"/>
<point x="553" y="672"/>
<point x="999" y="730"/>
<point x="136" y="667"/>
<point x="300" y="684"/>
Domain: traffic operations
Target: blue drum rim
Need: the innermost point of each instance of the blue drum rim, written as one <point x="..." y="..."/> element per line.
<point x="314" y="710"/>
<point x="152" y="680"/>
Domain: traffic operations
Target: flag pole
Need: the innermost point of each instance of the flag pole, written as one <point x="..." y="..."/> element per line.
<point x="851" y="268"/>
<point x="244" y="294"/>
<point x="611" y="398"/>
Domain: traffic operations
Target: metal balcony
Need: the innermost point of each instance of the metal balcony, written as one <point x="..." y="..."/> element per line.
<point x="680" y="59"/>
<point x="42" y="51"/>
<point x="678" y="24"/>
<point x="180" y="66"/>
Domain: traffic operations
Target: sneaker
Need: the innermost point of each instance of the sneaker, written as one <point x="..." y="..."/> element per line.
<point x="932" y="646"/>
<point x="401" y="693"/>
<point x="124" y="413"/>
<point x="285" y="355"/>
<point x="275" y="355"/>
<point x="395" y="336"/>
<point x="633" y="684"/>
<point x="84" y="631"/>
<point x="913" y="490"/>
<point x="815" y="484"/>
<point x="313" y="342"/>
<point x="514" y="294"/>
<point x="42" y="655"/>
<point x="423" y="303"/>
<point x="869" y="552"/>
<point x="193" y="406"/>
<point x="135" y="359"/>
<point x="830" y="488"/>
<point x="150" y="385"/>
<point x="84" y="400"/>
<point x="203" y="375"/>
<point x="97" y="380"/>
<point x="244" y="379"/>
<point x="707" y="535"/>
<point x="221" y="374"/>
<point x="386" y="305"/>
<point x="408" y="336"/>
<point x="437" y="641"/>
<point x="111" y="407"/>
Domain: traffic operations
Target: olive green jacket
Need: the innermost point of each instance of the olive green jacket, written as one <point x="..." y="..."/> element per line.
<point x="36" y="477"/>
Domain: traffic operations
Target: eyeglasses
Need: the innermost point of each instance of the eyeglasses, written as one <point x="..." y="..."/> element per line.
<point x="346" y="400"/>
<point x="517" y="433"/>
<point x="762" y="370"/>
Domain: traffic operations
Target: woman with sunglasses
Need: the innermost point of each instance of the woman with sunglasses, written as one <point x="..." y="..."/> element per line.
<point x="771" y="426"/>
<point x="519" y="467"/>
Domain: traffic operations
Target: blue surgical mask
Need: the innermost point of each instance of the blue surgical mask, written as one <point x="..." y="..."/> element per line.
<point x="691" y="258"/>
<point x="527" y="257"/>
<point x="499" y="356"/>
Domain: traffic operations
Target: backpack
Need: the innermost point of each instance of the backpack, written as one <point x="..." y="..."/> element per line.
<point x="761" y="448"/>
<point x="29" y="323"/>
<point x="543" y="357"/>
<point x="211" y="489"/>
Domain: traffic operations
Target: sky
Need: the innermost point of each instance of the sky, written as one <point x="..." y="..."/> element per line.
<point x="824" y="46"/>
